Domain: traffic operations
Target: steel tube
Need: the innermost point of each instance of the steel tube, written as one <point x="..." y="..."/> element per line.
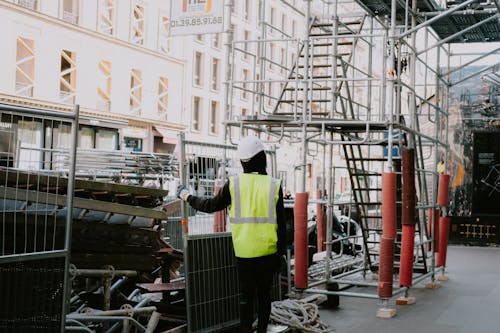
<point x="340" y="293"/>
<point x="107" y="319"/>
<point x="435" y="18"/>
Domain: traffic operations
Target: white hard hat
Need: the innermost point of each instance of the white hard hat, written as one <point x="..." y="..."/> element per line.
<point x="249" y="147"/>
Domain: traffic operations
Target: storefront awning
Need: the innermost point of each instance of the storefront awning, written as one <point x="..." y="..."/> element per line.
<point x="169" y="136"/>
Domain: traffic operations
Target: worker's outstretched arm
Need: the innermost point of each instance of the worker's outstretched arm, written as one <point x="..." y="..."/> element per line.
<point x="214" y="204"/>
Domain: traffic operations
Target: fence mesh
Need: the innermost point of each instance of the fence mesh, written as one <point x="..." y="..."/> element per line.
<point x="210" y="265"/>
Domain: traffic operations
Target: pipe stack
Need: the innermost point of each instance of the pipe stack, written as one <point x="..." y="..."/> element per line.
<point x="300" y="239"/>
<point x="386" y="264"/>
<point x="320" y="224"/>
<point x="444" y="221"/>
<point x="408" y="219"/>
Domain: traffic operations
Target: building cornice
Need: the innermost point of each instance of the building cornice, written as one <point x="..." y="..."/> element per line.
<point x="89" y="113"/>
<point x="108" y="38"/>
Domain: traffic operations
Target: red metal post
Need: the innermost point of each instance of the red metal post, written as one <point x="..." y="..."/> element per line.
<point x="300" y="239"/>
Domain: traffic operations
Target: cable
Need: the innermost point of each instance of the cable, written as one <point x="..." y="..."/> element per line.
<point x="298" y="314"/>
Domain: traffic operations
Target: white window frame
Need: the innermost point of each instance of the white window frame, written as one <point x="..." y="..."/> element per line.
<point x="25" y="81"/>
<point x="214" y="118"/>
<point x="138" y="35"/>
<point x="73" y="16"/>
<point x="135" y="98"/>
<point x="196" y="119"/>
<point x="244" y="77"/>
<point x="106" y="19"/>
<point x="162" y="100"/>
<point x="246" y="36"/>
<point x="67" y="78"/>
<point x="164" y="33"/>
<point x="215" y="75"/>
<point x="198" y="69"/>
<point x="104" y="87"/>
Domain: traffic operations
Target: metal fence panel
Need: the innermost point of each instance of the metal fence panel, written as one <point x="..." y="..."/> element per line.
<point x="212" y="289"/>
<point x="34" y="235"/>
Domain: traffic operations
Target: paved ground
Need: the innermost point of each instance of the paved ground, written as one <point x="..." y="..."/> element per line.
<point x="468" y="303"/>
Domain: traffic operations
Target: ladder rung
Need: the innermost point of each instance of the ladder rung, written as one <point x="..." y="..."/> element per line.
<point x="313" y="100"/>
<point x="313" y="88"/>
<point x="331" y="44"/>
<point x="319" y="55"/>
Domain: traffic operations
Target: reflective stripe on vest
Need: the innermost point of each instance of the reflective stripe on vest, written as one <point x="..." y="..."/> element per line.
<point x="271" y="212"/>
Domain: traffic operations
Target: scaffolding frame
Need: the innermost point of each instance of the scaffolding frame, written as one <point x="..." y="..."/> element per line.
<point x="328" y="98"/>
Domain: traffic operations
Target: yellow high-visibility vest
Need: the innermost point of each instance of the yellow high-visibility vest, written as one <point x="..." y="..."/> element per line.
<point x="252" y="214"/>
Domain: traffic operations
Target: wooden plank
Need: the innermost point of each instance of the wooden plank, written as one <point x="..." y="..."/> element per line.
<point x="20" y="178"/>
<point x="61" y="200"/>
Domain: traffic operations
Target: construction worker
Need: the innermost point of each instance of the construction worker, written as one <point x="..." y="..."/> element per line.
<point x="257" y="220"/>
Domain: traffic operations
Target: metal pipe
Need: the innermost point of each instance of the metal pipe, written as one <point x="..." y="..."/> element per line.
<point x="483" y="55"/>
<point x="474" y="74"/>
<point x="434" y="19"/>
<point x="340" y="293"/>
<point x="129" y="312"/>
<point x="69" y="213"/>
<point x="102" y="273"/>
<point x="107" y="319"/>
<point x="474" y="26"/>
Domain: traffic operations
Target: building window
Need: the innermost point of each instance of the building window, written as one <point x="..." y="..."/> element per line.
<point x="137" y="25"/>
<point x="271" y="55"/>
<point x="244" y="115"/>
<point x="234" y="8"/>
<point x="106" y="17"/>
<point x="273" y="16"/>
<point x="199" y="38"/>
<point x="196" y="114"/>
<point x="294" y="29"/>
<point x="104" y="88"/>
<point x="132" y="144"/>
<point x="31" y="4"/>
<point x="163" y="38"/>
<point x="283" y="22"/>
<point x="247" y="9"/>
<point x="162" y="96"/>
<point x="25" y="67"/>
<point x="215" y="74"/>
<point x="244" y="93"/>
<point x="135" y="92"/>
<point x="216" y="41"/>
<point x="70" y="11"/>
<point x="246" y="38"/>
<point x="214" y="117"/>
<point x="198" y="69"/>
<point x="283" y="63"/>
<point x="67" y="77"/>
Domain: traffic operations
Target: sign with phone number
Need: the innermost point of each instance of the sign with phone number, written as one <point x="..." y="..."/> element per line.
<point x="193" y="17"/>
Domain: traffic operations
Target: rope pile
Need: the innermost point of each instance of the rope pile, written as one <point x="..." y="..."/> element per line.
<point x="298" y="314"/>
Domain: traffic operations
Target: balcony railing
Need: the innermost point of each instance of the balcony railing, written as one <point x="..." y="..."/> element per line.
<point x="31" y="4"/>
<point x="104" y="106"/>
<point x="67" y="97"/>
<point x="70" y="17"/>
<point x="24" y="89"/>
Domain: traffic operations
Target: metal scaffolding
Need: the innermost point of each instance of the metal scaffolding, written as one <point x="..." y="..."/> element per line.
<point x="372" y="78"/>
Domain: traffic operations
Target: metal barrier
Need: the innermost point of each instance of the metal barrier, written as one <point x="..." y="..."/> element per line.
<point x="35" y="239"/>
<point x="212" y="293"/>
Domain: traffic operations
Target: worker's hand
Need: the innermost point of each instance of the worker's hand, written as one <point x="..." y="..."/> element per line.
<point x="183" y="193"/>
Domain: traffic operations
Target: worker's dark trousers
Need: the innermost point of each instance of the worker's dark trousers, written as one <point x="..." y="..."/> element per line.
<point x="255" y="276"/>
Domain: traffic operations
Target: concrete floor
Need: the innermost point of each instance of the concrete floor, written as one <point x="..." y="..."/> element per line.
<point x="469" y="302"/>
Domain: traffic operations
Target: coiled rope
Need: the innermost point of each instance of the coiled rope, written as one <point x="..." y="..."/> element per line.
<point x="298" y="314"/>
